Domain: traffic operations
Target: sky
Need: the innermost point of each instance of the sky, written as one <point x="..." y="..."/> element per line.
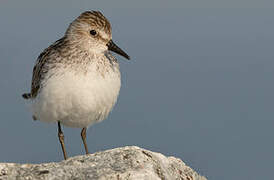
<point x="199" y="85"/>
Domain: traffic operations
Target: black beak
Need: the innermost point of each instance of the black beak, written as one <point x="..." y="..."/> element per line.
<point x="113" y="47"/>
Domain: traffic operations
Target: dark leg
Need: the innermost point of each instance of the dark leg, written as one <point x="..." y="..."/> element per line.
<point x="83" y="135"/>
<point x="61" y="139"/>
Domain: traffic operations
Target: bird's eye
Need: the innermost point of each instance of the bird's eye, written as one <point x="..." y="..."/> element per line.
<point x="93" y="32"/>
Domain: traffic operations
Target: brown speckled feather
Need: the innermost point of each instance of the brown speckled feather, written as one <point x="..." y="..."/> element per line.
<point x="40" y="69"/>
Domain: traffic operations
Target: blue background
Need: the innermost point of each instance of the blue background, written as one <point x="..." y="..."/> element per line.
<point x="199" y="85"/>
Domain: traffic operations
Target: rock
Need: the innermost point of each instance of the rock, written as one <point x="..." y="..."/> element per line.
<point x="130" y="163"/>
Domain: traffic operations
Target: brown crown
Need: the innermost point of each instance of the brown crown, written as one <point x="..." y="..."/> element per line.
<point x="95" y="18"/>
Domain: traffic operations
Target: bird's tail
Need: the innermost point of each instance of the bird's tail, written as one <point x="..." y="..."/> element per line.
<point x="26" y="95"/>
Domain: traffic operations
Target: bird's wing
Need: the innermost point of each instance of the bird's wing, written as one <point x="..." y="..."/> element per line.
<point x="39" y="70"/>
<point x="37" y="73"/>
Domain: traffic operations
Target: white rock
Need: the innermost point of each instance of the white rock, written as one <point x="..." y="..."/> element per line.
<point x="129" y="163"/>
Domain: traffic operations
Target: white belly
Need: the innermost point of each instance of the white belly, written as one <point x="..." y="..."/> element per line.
<point x="77" y="99"/>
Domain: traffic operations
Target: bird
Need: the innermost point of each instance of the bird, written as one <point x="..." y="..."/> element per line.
<point x="76" y="80"/>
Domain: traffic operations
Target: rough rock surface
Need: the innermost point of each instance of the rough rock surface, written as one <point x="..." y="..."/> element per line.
<point x="130" y="163"/>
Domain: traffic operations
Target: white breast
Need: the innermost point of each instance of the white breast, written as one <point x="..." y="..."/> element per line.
<point x="77" y="99"/>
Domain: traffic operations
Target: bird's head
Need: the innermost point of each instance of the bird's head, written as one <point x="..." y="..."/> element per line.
<point x="93" y="31"/>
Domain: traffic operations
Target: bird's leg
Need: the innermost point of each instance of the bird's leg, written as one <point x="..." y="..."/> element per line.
<point x="83" y="135"/>
<point x="61" y="139"/>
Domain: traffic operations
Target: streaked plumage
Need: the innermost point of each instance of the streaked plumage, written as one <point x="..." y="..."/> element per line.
<point x="76" y="80"/>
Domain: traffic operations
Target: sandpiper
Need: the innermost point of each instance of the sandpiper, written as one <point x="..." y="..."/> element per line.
<point x="76" y="80"/>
